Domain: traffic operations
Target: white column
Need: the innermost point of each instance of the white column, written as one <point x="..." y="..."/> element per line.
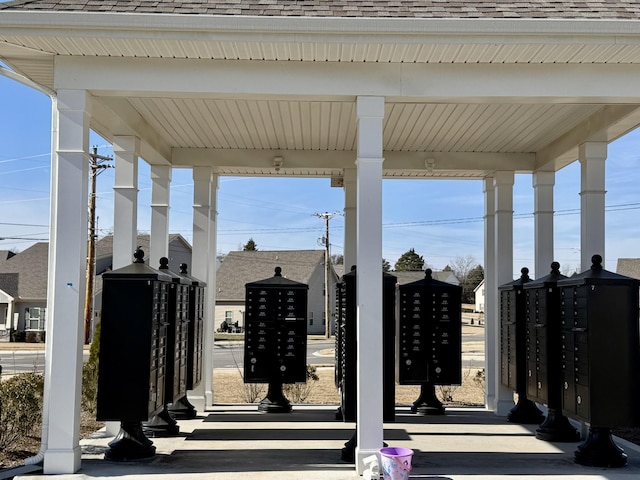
<point x="370" y="112"/>
<point x="592" y="157"/>
<point x="503" y="185"/>
<point x="125" y="200"/>
<point x="350" y="218"/>
<point x="159" y="238"/>
<point x="203" y="260"/>
<point x="491" y="330"/>
<point x="67" y="264"/>
<point x="543" y="183"/>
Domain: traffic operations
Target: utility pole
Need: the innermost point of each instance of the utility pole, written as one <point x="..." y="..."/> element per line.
<point x="97" y="163"/>
<point x="327" y="271"/>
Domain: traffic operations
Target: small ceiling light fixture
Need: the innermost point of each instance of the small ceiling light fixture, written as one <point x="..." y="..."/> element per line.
<point x="277" y="163"/>
<point x="429" y="163"/>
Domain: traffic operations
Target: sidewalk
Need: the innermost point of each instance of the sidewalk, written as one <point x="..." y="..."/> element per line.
<point x="236" y="442"/>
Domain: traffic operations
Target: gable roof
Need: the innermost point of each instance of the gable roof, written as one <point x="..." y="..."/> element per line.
<point x="526" y="9"/>
<point x="241" y="267"/>
<point x="104" y="246"/>
<point x="629" y="267"/>
<point x="29" y="270"/>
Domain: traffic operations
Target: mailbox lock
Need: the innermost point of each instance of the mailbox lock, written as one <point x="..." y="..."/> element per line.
<point x="566" y="385"/>
<point x="254" y="360"/>
<point x="438" y="370"/>
<point x="579" y="399"/>
<point x="408" y="361"/>
<point x="283" y="368"/>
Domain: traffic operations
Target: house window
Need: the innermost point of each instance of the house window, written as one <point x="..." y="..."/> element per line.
<point x="228" y="316"/>
<point x="34" y="318"/>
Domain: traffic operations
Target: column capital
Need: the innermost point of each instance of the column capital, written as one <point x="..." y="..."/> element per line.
<point x="161" y="172"/>
<point x="543" y="179"/>
<point x="126" y="143"/>
<point x="370" y="107"/>
<point x="592" y="151"/>
<point x="503" y="177"/>
<point x="74" y="100"/>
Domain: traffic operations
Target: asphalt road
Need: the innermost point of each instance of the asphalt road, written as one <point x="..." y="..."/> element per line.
<point x="230" y="354"/>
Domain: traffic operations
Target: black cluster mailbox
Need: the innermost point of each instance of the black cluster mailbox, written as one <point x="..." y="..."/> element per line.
<point x="544" y="359"/>
<point x="429" y="339"/>
<point x="346" y="346"/>
<point x="513" y="349"/>
<point x="175" y="386"/>
<point x="275" y="349"/>
<point x="132" y="369"/>
<point x="182" y="408"/>
<point x="600" y="359"/>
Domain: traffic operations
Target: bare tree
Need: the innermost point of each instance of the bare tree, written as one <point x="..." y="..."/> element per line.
<point x="463" y="268"/>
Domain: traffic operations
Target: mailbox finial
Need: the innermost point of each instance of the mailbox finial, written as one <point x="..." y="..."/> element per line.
<point x="525" y="273"/>
<point x="555" y="267"/>
<point x="596" y="263"/>
<point x="138" y="255"/>
<point x="183" y="268"/>
<point x="278" y="271"/>
<point x="428" y="274"/>
<point x="164" y="263"/>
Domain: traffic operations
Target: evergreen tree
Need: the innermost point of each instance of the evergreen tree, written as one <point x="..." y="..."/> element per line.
<point x="250" y="246"/>
<point x="386" y="266"/>
<point x="409" y="262"/>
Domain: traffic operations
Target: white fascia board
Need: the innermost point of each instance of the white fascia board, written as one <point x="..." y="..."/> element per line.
<point x="337" y="160"/>
<point x="299" y="28"/>
<point x="455" y="83"/>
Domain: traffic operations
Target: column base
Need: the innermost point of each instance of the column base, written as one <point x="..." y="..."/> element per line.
<point x="599" y="450"/>
<point x="161" y="425"/>
<point x="557" y="428"/>
<point x="427" y="403"/>
<point x="59" y="461"/>
<point x="182" y="409"/>
<point x="525" y="412"/>
<point x="130" y="444"/>
<point x="275" y="401"/>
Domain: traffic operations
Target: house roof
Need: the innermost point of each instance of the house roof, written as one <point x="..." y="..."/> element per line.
<point x="629" y="267"/>
<point x="5" y="255"/>
<point x="241" y="267"/>
<point x="29" y="269"/>
<point x="104" y="246"/>
<point x="352" y="8"/>
<point x="9" y="284"/>
<point x="408" y="277"/>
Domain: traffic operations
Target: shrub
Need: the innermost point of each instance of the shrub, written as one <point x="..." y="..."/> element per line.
<point x="299" y="392"/>
<point x="20" y="407"/>
<point x="90" y="375"/>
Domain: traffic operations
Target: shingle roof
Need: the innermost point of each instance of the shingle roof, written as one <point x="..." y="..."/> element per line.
<point x="31" y="267"/>
<point x="629" y="267"/>
<point x="595" y="9"/>
<point x="9" y="283"/>
<point x="239" y="268"/>
<point x="104" y="246"/>
<point x="4" y="256"/>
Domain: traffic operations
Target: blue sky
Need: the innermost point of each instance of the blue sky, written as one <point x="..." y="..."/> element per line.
<point x="441" y="220"/>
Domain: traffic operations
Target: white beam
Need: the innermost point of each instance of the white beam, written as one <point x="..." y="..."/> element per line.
<point x="370" y="114"/>
<point x="462" y="83"/>
<point x="474" y="162"/>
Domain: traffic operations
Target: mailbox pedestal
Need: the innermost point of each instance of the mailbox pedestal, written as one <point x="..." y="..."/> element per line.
<point x="429" y="339"/>
<point x="600" y="359"/>
<point x="131" y="372"/>
<point x="544" y="355"/>
<point x="513" y="345"/>
<point x="275" y="349"/>
<point x="182" y="408"/>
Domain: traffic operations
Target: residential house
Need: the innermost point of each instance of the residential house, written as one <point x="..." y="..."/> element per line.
<point x="479" y="294"/>
<point x="23" y="292"/>
<point x="23" y="283"/>
<point x="446" y="276"/>
<point x="241" y="267"/>
<point x="629" y="267"/>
